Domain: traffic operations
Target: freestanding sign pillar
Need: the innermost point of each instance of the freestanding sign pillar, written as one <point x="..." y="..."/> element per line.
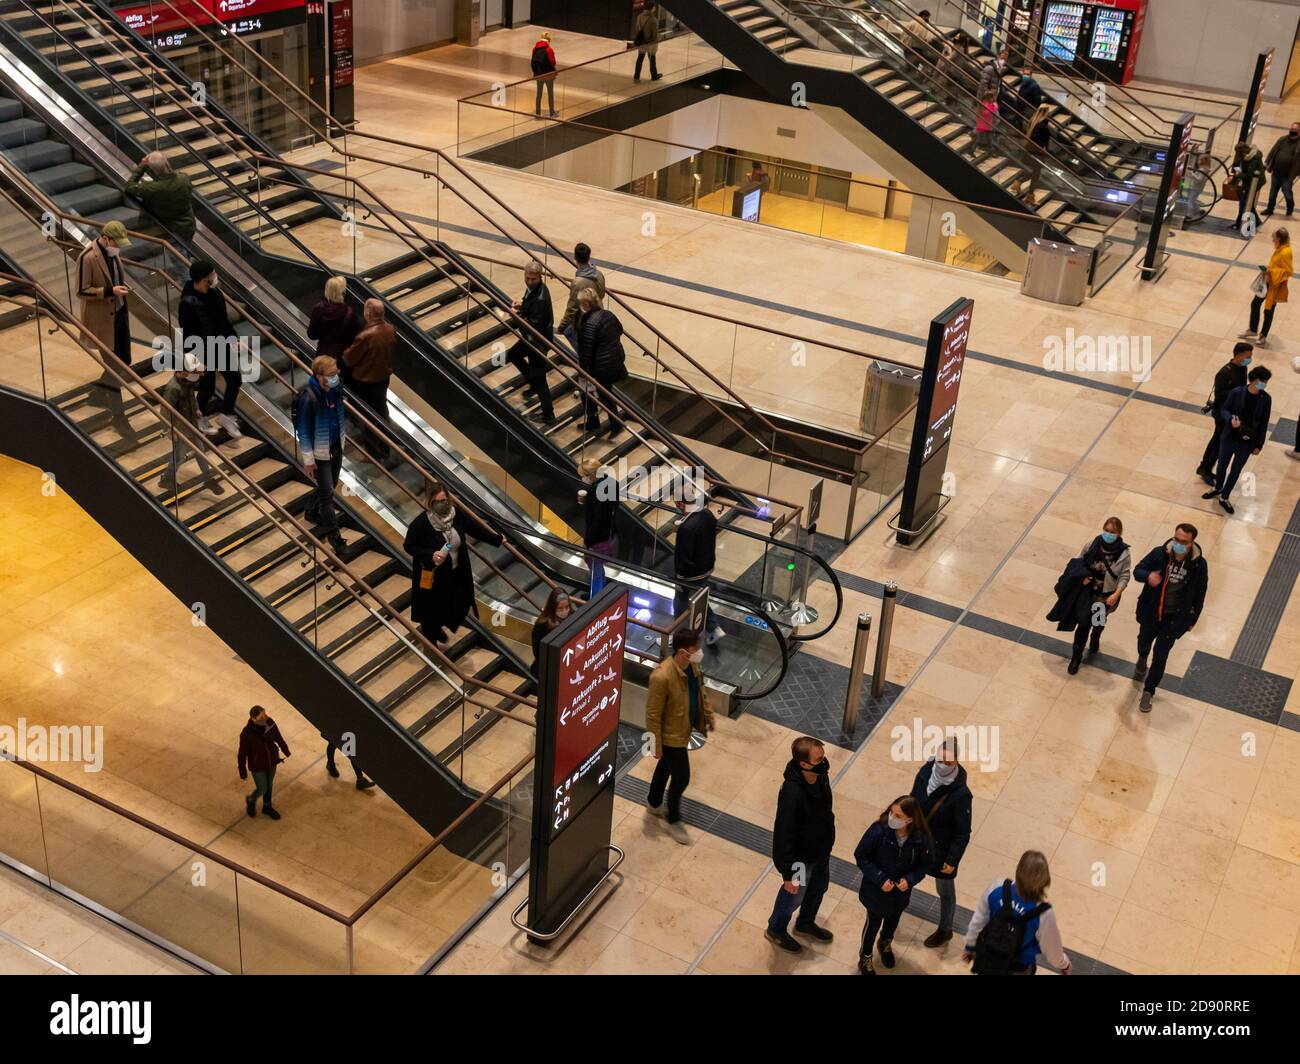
<point x="1255" y="100"/>
<point x="580" y="674"/>
<point x="936" y="409"/>
<point x="1180" y="142"/>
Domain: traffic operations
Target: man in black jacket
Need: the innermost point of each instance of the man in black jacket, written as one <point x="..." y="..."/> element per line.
<point x="1245" y="414"/>
<point x="1174" y="579"/>
<point x="693" y="555"/>
<point x="1231" y="375"/>
<point x="205" y="322"/>
<point x="940" y="788"/>
<point x="528" y="354"/>
<point x="802" y="839"/>
<point x="1283" y="163"/>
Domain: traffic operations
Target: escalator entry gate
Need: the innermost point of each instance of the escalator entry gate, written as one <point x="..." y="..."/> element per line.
<point x="1057" y="273"/>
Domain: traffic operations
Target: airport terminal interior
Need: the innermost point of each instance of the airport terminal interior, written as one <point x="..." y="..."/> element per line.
<point x="732" y="487"/>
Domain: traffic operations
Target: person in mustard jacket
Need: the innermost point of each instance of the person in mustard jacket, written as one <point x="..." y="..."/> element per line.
<point x="676" y="704"/>
<point x="1276" y="275"/>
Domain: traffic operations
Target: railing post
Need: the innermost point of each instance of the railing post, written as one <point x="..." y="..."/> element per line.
<point x="854" y="693"/>
<point x="888" y="601"/>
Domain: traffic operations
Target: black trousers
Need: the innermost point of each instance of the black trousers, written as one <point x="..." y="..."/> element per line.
<point x="675" y="765"/>
<point x="1149" y="640"/>
<point x="208" y="388"/>
<point x="1255" y="305"/>
<point x="1211" y="455"/>
<point x="1087" y="632"/>
<point x="640" y="59"/>
<point x="532" y="366"/>
<point x="878" y="924"/>
<point x="320" y="507"/>
<point x="374" y="395"/>
<point x="329" y="759"/>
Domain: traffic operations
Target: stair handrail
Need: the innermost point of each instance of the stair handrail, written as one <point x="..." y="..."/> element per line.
<point x="230" y="471"/>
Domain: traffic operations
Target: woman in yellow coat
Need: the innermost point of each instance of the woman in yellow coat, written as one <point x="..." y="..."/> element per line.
<point x="1275" y="277"/>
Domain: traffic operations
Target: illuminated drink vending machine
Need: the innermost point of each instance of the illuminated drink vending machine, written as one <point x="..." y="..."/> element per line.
<point x="1093" y="40"/>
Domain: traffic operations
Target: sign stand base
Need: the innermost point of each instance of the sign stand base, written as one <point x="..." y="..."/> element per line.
<point x="542" y="938"/>
<point x="916" y="537"/>
<point x="1155" y="272"/>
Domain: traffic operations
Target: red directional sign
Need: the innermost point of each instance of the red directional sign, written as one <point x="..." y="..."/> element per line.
<point x="589" y="686"/>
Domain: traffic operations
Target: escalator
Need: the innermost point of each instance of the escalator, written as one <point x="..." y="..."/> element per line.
<point x="509" y="582"/>
<point x="450" y="315"/>
<point x="911" y="110"/>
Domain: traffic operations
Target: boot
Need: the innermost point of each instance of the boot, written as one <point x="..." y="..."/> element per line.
<point x="1076" y="657"/>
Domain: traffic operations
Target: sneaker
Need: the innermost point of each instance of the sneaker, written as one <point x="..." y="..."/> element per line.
<point x="1227" y="506"/>
<point x="783" y="939"/>
<point x="1144" y="703"/>
<point x="208" y="426"/>
<point x="937" y="939"/>
<point x="656" y="810"/>
<point x="270" y="812"/>
<point x="714" y="637"/>
<point x="215" y="486"/>
<point x="364" y="784"/>
<point x="1206" y="478"/>
<point x="1212" y="493"/>
<point x="813" y="931"/>
<point x="887" y="954"/>
<point x="1293" y="454"/>
<point x="1261" y="341"/>
<point x="678" y="833"/>
<point x="332" y="769"/>
<point x="251" y="805"/>
<point x="338" y="544"/>
<point x="1249" y="334"/>
<point x="1140" y="670"/>
<point x="227" y="422"/>
<point x="865" y="967"/>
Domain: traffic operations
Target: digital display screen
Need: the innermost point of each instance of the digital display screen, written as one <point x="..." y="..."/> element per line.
<point x="1107" y="34"/>
<point x="588" y="689"/>
<point x="1061" y="24"/>
<point x="750" y="206"/>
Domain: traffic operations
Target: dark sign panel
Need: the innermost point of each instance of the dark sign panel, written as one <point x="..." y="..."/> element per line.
<point x="936" y="411"/>
<point x="1180" y="143"/>
<point x="589" y="685"/>
<point x="341" y="44"/>
<point x="1255" y="100"/>
<point x="168" y="28"/>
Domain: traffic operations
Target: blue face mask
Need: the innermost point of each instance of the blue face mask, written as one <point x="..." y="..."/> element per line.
<point x="1109" y="537"/>
<point x="1261" y="386"/>
<point x="332" y="381"/>
<point x="1247" y="361"/>
<point x="1178" y="548"/>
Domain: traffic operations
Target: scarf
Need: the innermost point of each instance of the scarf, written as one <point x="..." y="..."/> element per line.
<point x="447" y="526"/>
<point x="937" y="781"/>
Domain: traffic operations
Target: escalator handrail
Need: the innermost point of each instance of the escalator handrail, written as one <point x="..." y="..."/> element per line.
<point x="331" y="123"/>
<point x="9" y="172"/>
<point x="230" y="471"/>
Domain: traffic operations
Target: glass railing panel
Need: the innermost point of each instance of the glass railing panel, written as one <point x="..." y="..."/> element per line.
<point x="21" y="833"/>
<point x="281" y="936"/>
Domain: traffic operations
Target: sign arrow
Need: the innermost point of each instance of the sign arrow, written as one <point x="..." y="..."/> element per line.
<point x="618" y="642"/>
<point x="568" y="655"/>
<point x="613" y="696"/>
<point x="564" y="715"/>
<point x="616" y="614"/>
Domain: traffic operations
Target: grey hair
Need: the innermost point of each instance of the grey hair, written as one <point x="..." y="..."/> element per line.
<point x="159" y="165"/>
<point x="534" y="267"/>
<point x="375" y="309"/>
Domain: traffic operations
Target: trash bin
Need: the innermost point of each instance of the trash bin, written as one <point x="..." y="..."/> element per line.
<point x="1056" y="272"/>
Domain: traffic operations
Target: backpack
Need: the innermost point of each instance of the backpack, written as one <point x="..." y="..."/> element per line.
<point x="300" y="399"/>
<point x="541" y="61"/>
<point x="1003" y="936"/>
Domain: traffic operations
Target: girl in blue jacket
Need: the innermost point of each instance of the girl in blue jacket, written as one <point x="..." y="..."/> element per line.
<point x="894" y="856"/>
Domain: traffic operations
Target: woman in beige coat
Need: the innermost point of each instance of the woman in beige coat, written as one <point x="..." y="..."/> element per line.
<point x="101" y="287"/>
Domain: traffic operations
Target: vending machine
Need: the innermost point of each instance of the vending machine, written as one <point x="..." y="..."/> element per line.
<point x="1093" y="40"/>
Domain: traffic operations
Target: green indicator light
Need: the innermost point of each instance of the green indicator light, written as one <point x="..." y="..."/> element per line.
<point x="790" y="566"/>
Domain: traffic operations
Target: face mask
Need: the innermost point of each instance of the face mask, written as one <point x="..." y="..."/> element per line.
<point x="1178" y="548"/>
<point x="112" y="251"/>
<point x="696" y="657"/>
<point x="332" y="381"/>
<point x="1261" y="386"/>
<point x="1293" y="134"/>
<point x="896" y="822"/>
<point x="1246" y="361"/>
<point x="441" y="508"/>
<point x="185" y="379"/>
<point x="1109" y="537"/>
<point x="944" y="771"/>
<point x="215" y="280"/>
<point x="820" y="769"/>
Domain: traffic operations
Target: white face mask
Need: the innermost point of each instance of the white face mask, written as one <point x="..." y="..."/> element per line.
<point x="214" y="281"/>
<point x="112" y="251"/>
<point x="897" y="823"/>
<point x="696" y="657"/>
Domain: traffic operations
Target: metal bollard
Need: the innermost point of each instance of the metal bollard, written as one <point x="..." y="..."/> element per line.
<point x="888" y="601"/>
<point x="854" y="694"/>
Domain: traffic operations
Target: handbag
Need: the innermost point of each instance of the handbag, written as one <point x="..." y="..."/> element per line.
<point x="1259" y="287"/>
<point x="1232" y="189"/>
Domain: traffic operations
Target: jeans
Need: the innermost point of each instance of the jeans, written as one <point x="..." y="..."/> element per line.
<point x="532" y="366"/>
<point x="262" y="782"/>
<point x="640" y="58"/>
<point x="320" y="507"/>
<point x="1280" y="183"/>
<point x="1233" y="455"/>
<point x="812" y="889"/>
<point x="1255" y="304"/>
<point x="947" y="891"/>
<point x="675" y="764"/>
<point x="608" y="549"/>
<point x="549" y="82"/>
<point x="877" y="923"/>
<point x="1148" y="636"/>
<point x="208" y="388"/>
<point x="181" y="450"/>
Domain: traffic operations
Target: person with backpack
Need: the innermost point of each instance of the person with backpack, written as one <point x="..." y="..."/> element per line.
<point x="646" y="38"/>
<point x="598" y="336"/>
<point x="318" y="423"/>
<point x="1013" y="929"/>
<point x="543" y="67"/>
<point x="894" y="856"/>
<point x="941" y="789"/>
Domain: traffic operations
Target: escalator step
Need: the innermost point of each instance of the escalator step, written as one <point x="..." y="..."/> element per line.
<point x="20" y="131"/>
<point x="89" y="199"/>
<point x="63" y="178"/>
<point x="38" y="156"/>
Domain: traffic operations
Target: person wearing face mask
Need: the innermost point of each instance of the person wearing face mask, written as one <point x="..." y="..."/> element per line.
<point x="1272" y="288"/>
<point x="894" y="856"/>
<point x="442" y="579"/>
<point x="599" y="497"/>
<point x="694" y="553"/>
<point x="802" y="839"/>
<point x="1283" y="165"/>
<point x="527" y="354"/>
<point x="1102" y="568"/>
<point x="318" y="422"/>
<point x="1231" y="375"/>
<point x="181" y="394"/>
<point x="1249" y="170"/>
<point x="206" y="332"/>
<point x="102" y="289"/>
<point x="676" y="704"/>
<point x="1175" y="577"/>
<point x="1246" y="414"/>
<point x="554" y="613"/>
<point x="941" y="790"/>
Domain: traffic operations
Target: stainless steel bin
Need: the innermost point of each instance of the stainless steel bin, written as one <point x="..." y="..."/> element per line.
<point x="1057" y="273"/>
